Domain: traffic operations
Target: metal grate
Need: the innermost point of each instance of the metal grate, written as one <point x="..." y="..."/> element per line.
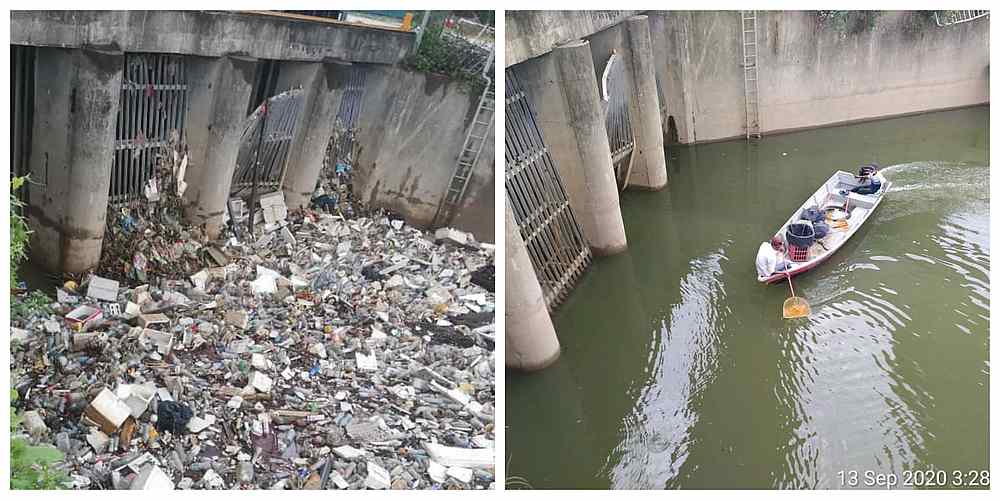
<point x="267" y="151"/>
<point x="949" y="17"/>
<point x="150" y="114"/>
<point x="555" y="243"/>
<point x="618" y="122"/>
<point x="345" y="126"/>
<point x="22" y="102"/>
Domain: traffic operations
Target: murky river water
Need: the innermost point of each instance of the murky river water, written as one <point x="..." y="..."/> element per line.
<point x="678" y="371"/>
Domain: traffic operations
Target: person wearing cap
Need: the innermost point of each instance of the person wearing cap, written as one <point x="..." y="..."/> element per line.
<point x="771" y="257"/>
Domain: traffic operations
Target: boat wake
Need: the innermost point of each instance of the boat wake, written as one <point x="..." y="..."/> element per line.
<point x="927" y="186"/>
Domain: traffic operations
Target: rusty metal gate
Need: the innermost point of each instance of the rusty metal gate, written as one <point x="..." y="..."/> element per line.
<point x="266" y="139"/>
<point x="150" y="114"/>
<point x="555" y="243"/>
<point x="345" y="126"/>
<point x="618" y="123"/>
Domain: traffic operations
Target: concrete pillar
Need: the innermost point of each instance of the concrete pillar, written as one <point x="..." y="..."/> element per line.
<point x="218" y="94"/>
<point x="75" y="112"/>
<point x="649" y="167"/>
<point x="564" y="95"/>
<point x="323" y="86"/>
<point x="530" y="339"/>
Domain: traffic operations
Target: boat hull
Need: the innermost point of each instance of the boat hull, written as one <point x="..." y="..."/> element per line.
<point x="859" y="207"/>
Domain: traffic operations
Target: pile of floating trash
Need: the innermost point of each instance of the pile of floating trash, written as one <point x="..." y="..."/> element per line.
<point x="320" y="353"/>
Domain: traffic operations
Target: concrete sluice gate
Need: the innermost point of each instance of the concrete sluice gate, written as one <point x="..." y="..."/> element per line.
<point x="96" y="105"/>
<point x="582" y="124"/>
<point x="604" y="89"/>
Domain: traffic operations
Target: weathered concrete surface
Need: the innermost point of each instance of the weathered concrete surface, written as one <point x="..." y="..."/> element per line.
<point x="477" y="212"/>
<point x="531" y="33"/>
<point x="562" y="89"/>
<point x="411" y="130"/>
<point x="649" y="165"/>
<point x="76" y="108"/>
<point x="210" y="33"/>
<point x="529" y="337"/>
<point x="218" y="95"/>
<point x="630" y="40"/>
<point x="810" y="74"/>
<point x="324" y="86"/>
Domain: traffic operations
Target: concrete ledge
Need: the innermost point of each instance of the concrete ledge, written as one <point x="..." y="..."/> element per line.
<point x="830" y="125"/>
<point x="212" y="34"/>
<point x="517" y="362"/>
<point x="531" y="33"/>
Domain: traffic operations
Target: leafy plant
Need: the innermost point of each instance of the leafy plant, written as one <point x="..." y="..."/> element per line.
<point x="32" y="467"/>
<point x="849" y="21"/>
<point x="34" y="302"/>
<point x="19" y="232"/>
<point x="450" y="56"/>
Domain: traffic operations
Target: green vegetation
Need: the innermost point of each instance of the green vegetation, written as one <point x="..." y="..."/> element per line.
<point x="853" y="22"/>
<point x="24" y="306"/>
<point x="32" y="467"/>
<point x="447" y="55"/>
<point x="849" y="21"/>
<point x="19" y="232"/>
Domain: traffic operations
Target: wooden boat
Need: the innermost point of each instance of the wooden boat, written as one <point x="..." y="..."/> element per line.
<point x="843" y="214"/>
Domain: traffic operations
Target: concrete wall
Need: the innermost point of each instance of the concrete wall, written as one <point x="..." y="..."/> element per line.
<point x="811" y="74"/>
<point x="75" y="110"/>
<point x="210" y="34"/>
<point x="531" y="33"/>
<point x="411" y="130"/>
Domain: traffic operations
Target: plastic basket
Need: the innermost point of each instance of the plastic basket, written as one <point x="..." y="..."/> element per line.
<point x="798" y="254"/>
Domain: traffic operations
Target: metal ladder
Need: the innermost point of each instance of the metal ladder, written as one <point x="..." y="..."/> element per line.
<point x="749" y="26"/>
<point x="475" y="139"/>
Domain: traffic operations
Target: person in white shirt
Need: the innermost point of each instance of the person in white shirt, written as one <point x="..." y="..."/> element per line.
<point x="771" y="257"/>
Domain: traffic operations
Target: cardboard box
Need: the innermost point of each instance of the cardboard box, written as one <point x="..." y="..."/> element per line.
<point x="83" y="317"/>
<point x="107" y="411"/>
<point x="102" y="289"/>
<point x="151" y="320"/>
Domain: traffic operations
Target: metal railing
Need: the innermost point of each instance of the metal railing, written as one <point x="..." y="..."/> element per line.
<point x="454" y="45"/>
<point x="950" y="17"/>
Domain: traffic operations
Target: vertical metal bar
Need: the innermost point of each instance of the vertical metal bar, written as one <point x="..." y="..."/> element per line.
<point x="420" y="34"/>
<point x="17" y="127"/>
<point x="127" y="132"/>
<point x="253" y="192"/>
<point x="529" y="195"/>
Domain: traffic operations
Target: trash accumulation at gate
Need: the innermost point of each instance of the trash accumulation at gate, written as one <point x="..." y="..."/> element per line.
<point x="322" y="352"/>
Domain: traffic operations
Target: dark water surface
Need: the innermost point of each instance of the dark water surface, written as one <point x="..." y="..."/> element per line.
<point x="678" y="371"/>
